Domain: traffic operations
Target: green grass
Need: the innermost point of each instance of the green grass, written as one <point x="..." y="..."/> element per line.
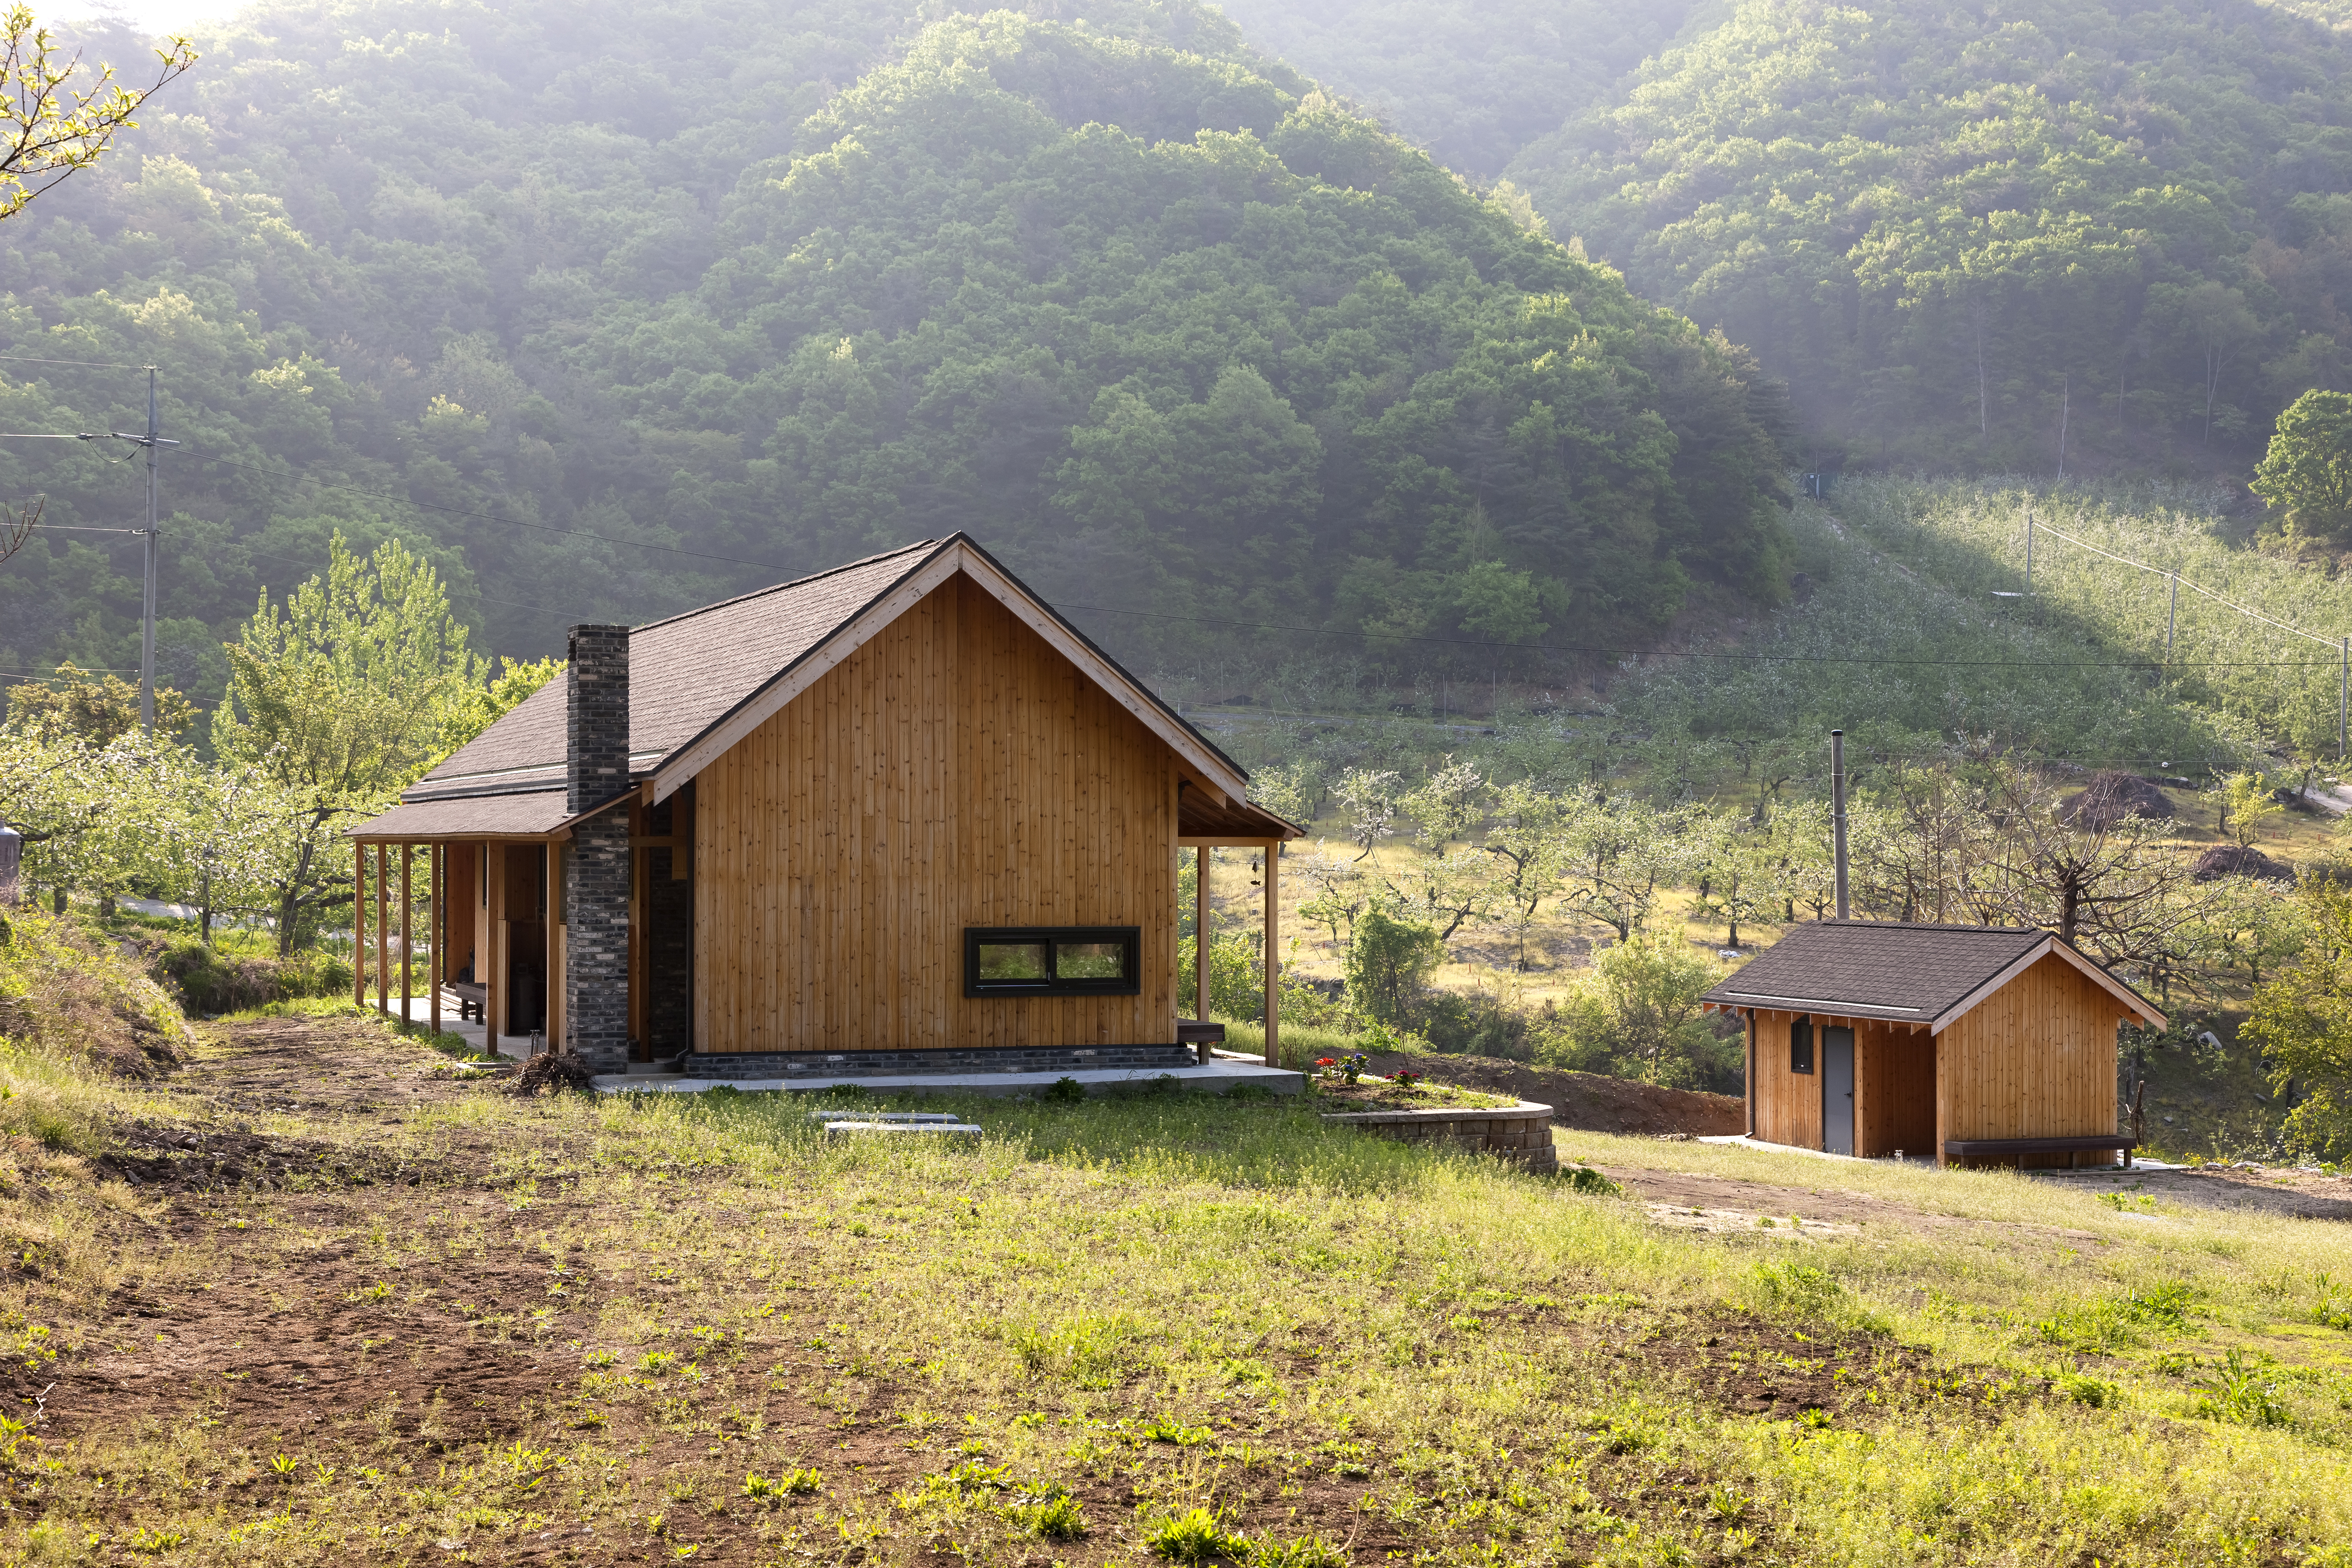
<point x="1106" y="1318"/>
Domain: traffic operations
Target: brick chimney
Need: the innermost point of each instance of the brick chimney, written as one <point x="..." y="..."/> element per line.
<point x="597" y="866"/>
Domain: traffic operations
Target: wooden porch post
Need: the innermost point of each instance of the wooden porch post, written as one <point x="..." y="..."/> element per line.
<point x="494" y="894"/>
<point x="555" y="1004"/>
<point x="407" y="919"/>
<point x="359" y="923"/>
<point x="1273" y="953"/>
<point x="433" y="924"/>
<point x="383" y="957"/>
<point x="1201" y="933"/>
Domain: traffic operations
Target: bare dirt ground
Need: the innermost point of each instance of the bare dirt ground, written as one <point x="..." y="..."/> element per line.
<point x="2271" y="1189"/>
<point x="277" y="1317"/>
<point x="1585" y="1102"/>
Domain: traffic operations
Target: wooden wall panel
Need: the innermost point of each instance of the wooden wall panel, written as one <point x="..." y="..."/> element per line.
<point x="2035" y="1060"/>
<point x="954" y="772"/>
<point x="1788" y="1105"/>
<point x="1895" y="1089"/>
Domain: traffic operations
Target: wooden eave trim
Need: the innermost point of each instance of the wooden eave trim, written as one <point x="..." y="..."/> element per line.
<point x="1230" y="841"/>
<point x="556" y="836"/>
<point x="1214" y="776"/>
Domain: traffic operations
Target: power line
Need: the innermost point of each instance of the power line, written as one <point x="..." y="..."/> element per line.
<point x="2193" y="588"/>
<point x="85" y="364"/>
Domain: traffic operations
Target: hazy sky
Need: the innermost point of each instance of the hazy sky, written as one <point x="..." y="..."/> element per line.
<point x="159" y="17"/>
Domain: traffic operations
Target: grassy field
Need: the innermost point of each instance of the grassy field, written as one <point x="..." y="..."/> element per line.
<point x="309" y="1298"/>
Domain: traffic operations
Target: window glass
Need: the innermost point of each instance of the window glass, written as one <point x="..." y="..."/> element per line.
<point x="1800" y="1046"/>
<point x="1089" y="960"/>
<point x="1003" y="963"/>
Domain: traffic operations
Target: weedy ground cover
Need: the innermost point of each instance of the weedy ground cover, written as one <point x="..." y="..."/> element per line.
<point x="426" y="1322"/>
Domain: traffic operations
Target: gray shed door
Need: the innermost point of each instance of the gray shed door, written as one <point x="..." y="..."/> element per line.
<point x="1837" y="1091"/>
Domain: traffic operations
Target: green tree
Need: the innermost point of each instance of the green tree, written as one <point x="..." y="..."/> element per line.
<point x="342" y="698"/>
<point x="2307" y="474"/>
<point x="2303" y="1021"/>
<point x="1389" y="963"/>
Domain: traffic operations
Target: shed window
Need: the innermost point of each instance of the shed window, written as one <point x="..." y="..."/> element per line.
<point x="1800" y="1046"/>
<point x="1028" y="960"/>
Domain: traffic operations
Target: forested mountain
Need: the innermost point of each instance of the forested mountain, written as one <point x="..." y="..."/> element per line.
<point x="1958" y="226"/>
<point x="1471" y="80"/>
<point x="1136" y="306"/>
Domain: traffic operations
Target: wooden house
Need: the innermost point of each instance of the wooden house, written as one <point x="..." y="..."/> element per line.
<point x="899" y="816"/>
<point x="1967" y="1041"/>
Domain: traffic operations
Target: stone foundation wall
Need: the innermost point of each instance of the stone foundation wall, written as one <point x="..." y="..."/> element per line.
<point x="1520" y="1134"/>
<point x="826" y="1066"/>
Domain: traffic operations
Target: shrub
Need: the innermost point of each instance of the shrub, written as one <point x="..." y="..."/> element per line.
<point x="1638" y="1016"/>
<point x="209" y="982"/>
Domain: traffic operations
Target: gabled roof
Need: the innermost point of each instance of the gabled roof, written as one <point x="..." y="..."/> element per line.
<point x="1904" y="973"/>
<point x="700" y="682"/>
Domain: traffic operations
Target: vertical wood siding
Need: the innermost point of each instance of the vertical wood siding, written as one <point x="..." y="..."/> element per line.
<point x="1788" y="1104"/>
<point x="954" y="772"/>
<point x="2037" y="1058"/>
<point x="1895" y="1089"/>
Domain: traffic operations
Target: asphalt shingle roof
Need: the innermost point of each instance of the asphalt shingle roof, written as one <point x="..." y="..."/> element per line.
<point x="685" y="675"/>
<point x="1869" y="968"/>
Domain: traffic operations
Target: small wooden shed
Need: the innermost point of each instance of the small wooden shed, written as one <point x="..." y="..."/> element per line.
<point x="1967" y="1041"/>
<point x="900" y="816"/>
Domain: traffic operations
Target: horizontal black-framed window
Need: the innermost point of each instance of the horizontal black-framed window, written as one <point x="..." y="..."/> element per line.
<point x="1053" y="960"/>
<point x="1800" y="1046"/>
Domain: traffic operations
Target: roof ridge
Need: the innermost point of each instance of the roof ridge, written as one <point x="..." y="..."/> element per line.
<point x="795" y="582"/>
<point x="1932" y="926"/>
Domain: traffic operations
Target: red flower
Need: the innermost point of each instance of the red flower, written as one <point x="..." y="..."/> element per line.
<point x="1327" y="1061"/>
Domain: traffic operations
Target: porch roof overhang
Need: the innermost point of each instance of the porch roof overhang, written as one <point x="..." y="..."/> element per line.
<point x="538" y="817"/>
<point x="1203" y="820"/>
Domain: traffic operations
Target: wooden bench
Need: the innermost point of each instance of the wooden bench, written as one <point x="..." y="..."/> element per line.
<point x="1201" y="1037"/>
<point x="1977" y="1148"/>
<point x="473" y="1001"/>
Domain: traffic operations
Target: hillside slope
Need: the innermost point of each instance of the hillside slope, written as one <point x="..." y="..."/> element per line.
<point x="1956" y="229"/>
<point x="1130" y="303"/>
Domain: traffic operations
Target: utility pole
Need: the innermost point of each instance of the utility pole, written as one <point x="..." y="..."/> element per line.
<point x="2065" y="403"/>
<point x="2171" y="613"/>
<point x="2342" y="695"/>
<point x="147" y="618"/>
<point x="1837" y="817"/>
<point x="151" y="441"/>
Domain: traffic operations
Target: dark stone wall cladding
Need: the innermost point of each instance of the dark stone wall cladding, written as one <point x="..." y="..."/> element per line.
<point x="596" y="872"/>
<point x="596" y="940"/>
<point x="827" y="1066"/>
<point x="596" y="715"/>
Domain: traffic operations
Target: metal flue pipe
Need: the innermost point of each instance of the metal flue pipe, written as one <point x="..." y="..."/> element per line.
<point x="1837" y="813"/>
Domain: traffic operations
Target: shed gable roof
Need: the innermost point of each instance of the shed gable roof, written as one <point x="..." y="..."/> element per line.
<point x="1904" y="973"/>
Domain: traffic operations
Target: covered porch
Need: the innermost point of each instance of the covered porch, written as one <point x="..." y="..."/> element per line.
<point x="459" y="919"/>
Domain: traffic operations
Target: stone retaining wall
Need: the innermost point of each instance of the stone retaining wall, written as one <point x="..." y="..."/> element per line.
<point x="1520" y="1134"/>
